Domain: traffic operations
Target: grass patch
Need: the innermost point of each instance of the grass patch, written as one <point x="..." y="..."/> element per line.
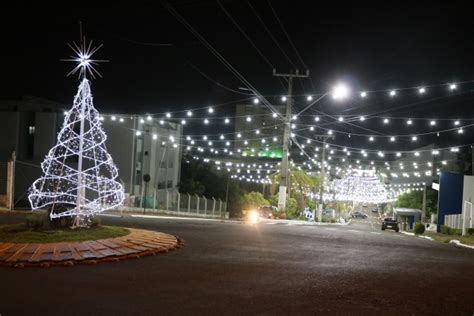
<point x="19" y="233"/>
<point x="467" y="240"/>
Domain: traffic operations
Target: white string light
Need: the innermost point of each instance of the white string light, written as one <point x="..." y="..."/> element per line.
<point x="91" y="186"/>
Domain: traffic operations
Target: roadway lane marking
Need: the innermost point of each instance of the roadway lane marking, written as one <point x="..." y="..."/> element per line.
<point x="353" y="230"/>
<point x="330" y="229"/>
<point x="375" y="233"/>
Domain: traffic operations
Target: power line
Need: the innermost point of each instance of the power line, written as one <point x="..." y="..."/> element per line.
<point x="271" y="35"/>
<point x="215" y="82"/>
<point x="289" y="39"/>
<point x="220" y="58"/>
<point x="245" y="34"/>
<point x="247" y="37"/>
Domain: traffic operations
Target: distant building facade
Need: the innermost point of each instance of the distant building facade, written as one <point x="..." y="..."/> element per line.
<point x="262" y="125"/>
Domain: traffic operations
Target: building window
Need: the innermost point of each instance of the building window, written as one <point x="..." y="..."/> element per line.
<point x="138" y="177"/>
<point x="31" y="130"/>
<point x="161" y="185"/>
<point x="169" y="184"/>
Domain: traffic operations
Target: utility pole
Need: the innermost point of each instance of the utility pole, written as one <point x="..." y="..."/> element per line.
<point x="472" y="160"/>
<point x="227" y="189"/>
<point x="323" y="178"/>
<point x="423" y="207"/>
<point x="321" y="185"/>
<point x="286" y="136"/>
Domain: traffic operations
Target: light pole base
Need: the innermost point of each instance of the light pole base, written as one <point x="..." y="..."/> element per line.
<point x="282" y="198"/>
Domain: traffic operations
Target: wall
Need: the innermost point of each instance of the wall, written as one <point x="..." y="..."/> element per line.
<point x="119" y="144"/>
<point x="450" y="195"/>
<point x="9" y="131"/>
<point x="46" y="127"/>
<point x="261" y="118"/>
<point x="468" y="191"/>
<point x="136" y="155"/>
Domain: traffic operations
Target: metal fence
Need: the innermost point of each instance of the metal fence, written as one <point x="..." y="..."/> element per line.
<point x="3" y="183"/>
<point x="3" y="177"/>
<point x="173" y="202"/>
<point x="461" y="221"/>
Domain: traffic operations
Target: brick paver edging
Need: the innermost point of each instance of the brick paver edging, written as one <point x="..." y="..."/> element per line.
<point x="134" y="245"/>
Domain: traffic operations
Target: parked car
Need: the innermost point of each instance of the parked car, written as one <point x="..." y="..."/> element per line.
<point x="374" y="210"/>
<point x="266" y="211"/>
<point x="390" y="223"/>
<point x="358" y="214"/>
<point x="327" y="211"/>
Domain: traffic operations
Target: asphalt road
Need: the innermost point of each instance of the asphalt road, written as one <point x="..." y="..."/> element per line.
<point x="269" y="268"/>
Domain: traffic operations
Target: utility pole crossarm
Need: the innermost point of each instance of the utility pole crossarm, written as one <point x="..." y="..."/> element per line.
<point x="295" y="75"/>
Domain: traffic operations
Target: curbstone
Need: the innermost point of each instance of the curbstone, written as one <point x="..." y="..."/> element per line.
<point x="138" y="243"/>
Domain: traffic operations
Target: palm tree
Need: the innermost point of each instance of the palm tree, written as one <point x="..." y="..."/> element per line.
<point x="300" y="184"/>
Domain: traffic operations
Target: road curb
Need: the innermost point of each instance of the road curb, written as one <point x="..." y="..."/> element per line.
<point x="415" y="235"/>
<point x="460" y="244"/>
<point x="138" y="243"/>
<point x="452" y="241"/>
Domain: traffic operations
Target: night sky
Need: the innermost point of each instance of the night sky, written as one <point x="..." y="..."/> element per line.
<point x="157" y="65"/>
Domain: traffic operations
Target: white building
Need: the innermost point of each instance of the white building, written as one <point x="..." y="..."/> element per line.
<point x="138" y="144"/>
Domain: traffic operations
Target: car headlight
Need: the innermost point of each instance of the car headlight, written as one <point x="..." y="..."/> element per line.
<point x="253" y="217"/>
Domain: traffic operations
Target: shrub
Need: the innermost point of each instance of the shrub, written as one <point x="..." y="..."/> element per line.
<point x="325" y="219"/>
<point x="273" y="200"/>
<point x="419" y="228"/>
<point x="37" y="221"/>
<point x="450" y="231"/>
<point x="61" y="222"/>
<point x="291" y="205"/>
<point x="253" y="200"/>
<point x="95" y="222"/>
<point x="470" y="231"/>
<point x="455" y="231"/>
<point x="445" y="230"/>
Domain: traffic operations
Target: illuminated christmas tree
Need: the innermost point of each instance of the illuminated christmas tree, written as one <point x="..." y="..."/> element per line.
<point x="78" y="172"/>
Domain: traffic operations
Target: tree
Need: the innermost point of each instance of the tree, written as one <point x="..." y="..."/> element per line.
<point x="79" y="176"/>
<point x="191" y="186"/>
<point x="291" y="209"/>
<point x="414" y="199"/>
<point x="273" y="200"/>
<point x="202" y="179"/>
<point x="301" y="184"/>
<point x="253" y="200"/>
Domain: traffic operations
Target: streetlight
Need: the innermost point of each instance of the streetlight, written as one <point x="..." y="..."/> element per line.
<point x="340" y="92"/>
